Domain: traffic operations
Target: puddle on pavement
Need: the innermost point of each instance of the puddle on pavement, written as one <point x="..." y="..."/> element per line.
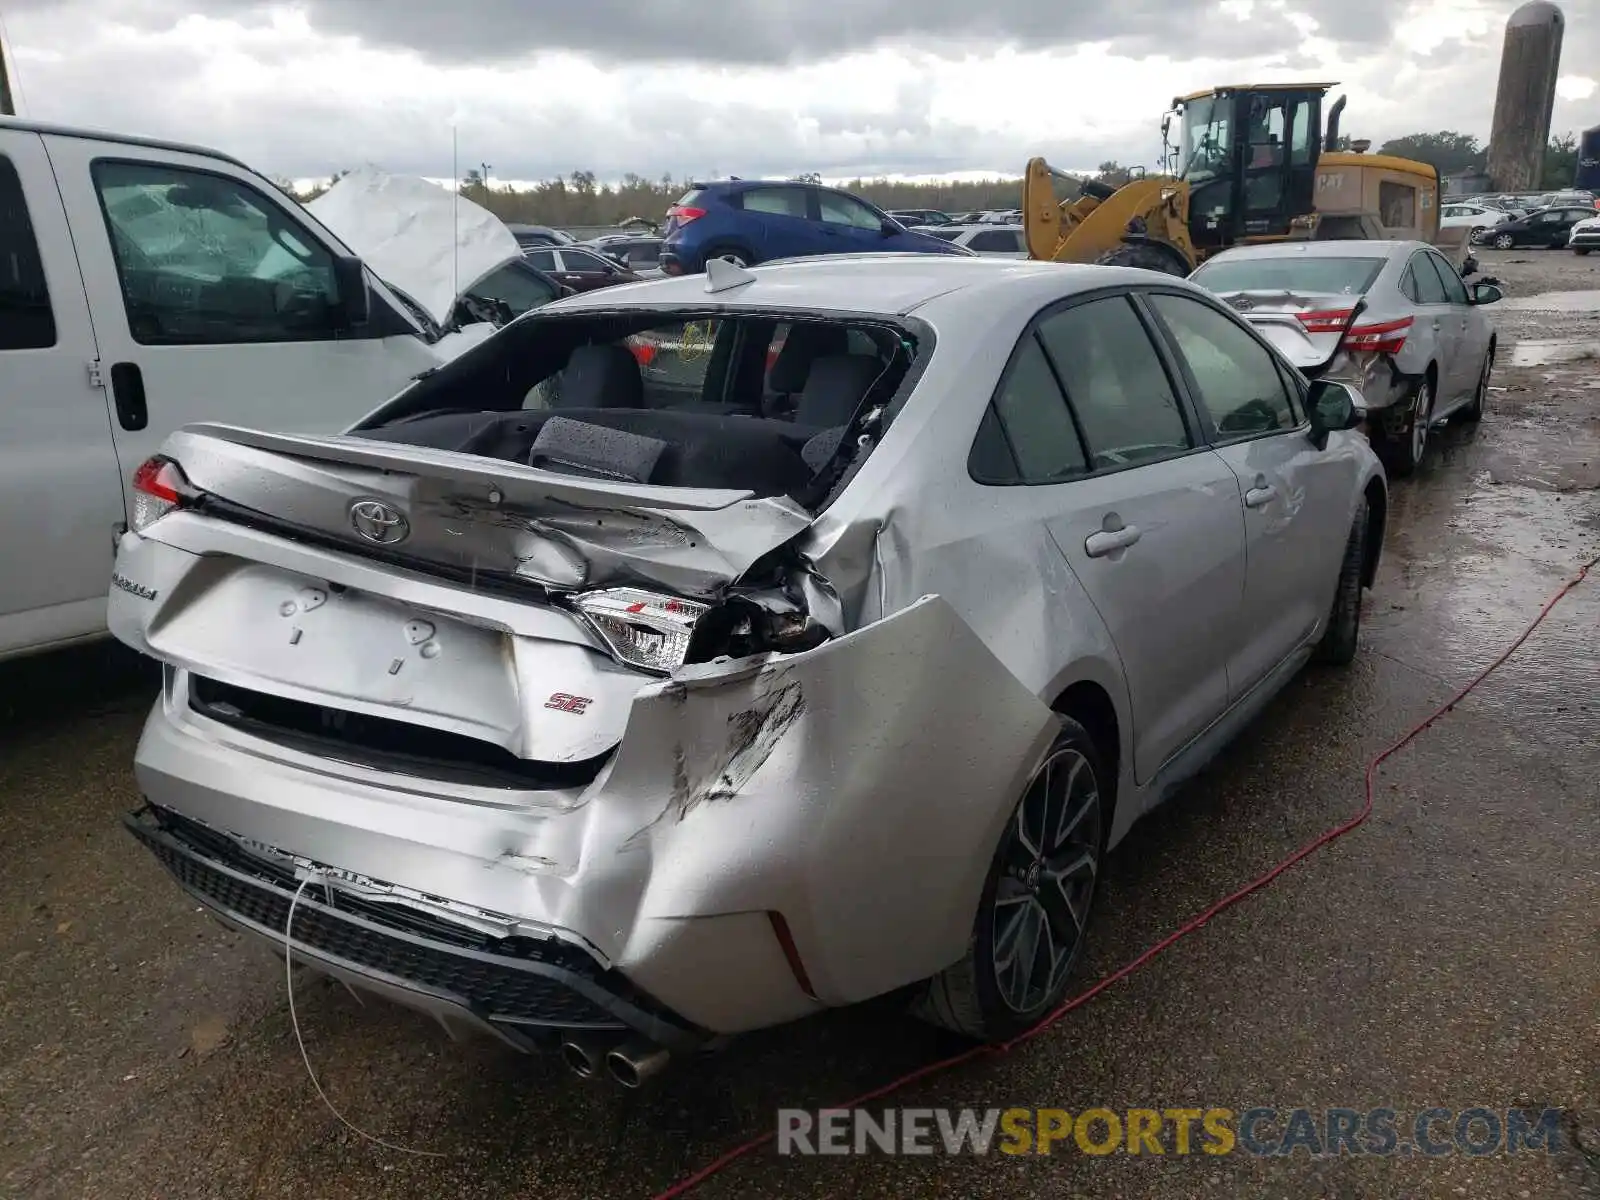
<point x="1545" y="352"/>
<point x="1563" y="302"/>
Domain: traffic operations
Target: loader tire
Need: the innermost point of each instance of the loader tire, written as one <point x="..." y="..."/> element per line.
<point x="1145" y="256"/>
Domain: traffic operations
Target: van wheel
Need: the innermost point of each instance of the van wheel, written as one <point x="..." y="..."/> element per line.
<point x="1338" y="644"/>
<point x="1028" y="932"/>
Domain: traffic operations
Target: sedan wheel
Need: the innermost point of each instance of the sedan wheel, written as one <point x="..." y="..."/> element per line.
<point x="1030" y="923"/>
<point x="1504" y="241"/>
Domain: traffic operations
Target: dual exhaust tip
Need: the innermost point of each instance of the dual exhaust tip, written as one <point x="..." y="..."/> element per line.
<point x="629" y="1063"/>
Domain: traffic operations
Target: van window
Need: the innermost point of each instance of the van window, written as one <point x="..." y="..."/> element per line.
<point x="207" y="260"/>
<point x="26" y="322"/>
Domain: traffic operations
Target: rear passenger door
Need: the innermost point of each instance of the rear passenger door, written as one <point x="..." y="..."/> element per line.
<point x="60" y="491"/>
<point x="781" y="221"/>
<point x="1295" y="498"/>
<point x="1147" y="518"/>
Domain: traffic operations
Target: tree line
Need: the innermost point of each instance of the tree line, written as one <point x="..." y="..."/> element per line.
<point x="582" y="199"/>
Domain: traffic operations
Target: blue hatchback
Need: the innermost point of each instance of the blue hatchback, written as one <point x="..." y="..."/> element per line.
<point x="752" y="221"/>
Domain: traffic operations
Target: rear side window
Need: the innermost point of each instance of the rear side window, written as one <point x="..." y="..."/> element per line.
<point x="1346" y="276"/>
<point x="206" y="260"/>
<point x="1035" y="423"/>
<point x="776" y="201"/>
<point x="26" y="321"/>
<point x="1116" y="383"/>
<point x="1430" y="288"/>
<point x="688" y="198"/>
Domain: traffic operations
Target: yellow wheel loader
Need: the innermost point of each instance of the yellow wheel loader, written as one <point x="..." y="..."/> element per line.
<point x="1251" y="164"/>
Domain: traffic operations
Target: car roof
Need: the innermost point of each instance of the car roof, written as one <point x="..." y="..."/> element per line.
<point x="1332" y="248"/>
<point x="874" y="284"/>
<point x="100" y="135"/>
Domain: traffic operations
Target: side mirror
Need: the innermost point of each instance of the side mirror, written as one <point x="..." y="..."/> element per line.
<point x="1333" y="406"/>
<point x="1485" y="292"/>
<point x="567" y="290"/>
<point x="355" y="301"/>
<point x="890" y="227"/>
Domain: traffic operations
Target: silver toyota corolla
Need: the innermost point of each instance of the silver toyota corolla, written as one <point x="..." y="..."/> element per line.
<point x="1420" y="350"/>
<point x="586" y="696"/>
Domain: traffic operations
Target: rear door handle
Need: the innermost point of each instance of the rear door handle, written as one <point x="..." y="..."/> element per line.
<point x="1257" y="496"/>
<point x="127" y="393"/>
<point x="1109" y="541"/>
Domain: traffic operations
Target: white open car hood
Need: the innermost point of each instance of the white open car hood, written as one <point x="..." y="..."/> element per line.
<point x="429" y="242"/>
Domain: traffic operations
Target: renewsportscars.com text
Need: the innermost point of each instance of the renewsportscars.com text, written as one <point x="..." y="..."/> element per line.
<point x="1430" y="1132"/>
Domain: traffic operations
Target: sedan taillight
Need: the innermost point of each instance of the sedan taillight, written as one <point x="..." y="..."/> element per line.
<point x="1382" y="337"/>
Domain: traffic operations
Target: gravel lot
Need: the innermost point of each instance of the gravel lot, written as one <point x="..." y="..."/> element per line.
<point x="1445" y="954"/>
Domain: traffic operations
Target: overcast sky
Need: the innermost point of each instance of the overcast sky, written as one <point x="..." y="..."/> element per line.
<point x="747" y="87"/>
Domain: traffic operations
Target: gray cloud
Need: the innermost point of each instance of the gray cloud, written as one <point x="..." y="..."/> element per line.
<point x="769" y="32"/>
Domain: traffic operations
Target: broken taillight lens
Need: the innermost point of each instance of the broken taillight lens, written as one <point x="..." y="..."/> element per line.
<point x="1382" y="337"/>
<point x="158" y="487"/>
<point x="1326" y="320"/>
<point x="641" y="629"/>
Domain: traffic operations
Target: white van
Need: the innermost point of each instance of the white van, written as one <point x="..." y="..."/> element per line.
<point x="145" y="285"/>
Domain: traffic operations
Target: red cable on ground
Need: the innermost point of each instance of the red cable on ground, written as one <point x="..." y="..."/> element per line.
<point x="684" y="1186"/>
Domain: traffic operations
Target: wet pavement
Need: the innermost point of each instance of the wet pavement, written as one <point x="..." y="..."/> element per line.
<point x="1446" y="954"/>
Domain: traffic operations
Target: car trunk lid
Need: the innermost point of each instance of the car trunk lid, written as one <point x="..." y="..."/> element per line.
<point x="1305" y="326"/>
<point x="477" y="519"/>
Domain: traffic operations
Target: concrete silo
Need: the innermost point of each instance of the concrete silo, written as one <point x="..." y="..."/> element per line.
<point x="1526" y="96"/>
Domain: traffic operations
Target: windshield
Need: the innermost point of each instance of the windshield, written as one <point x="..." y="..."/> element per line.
<point x="1345" y="276"/>
<point x="1203" y="148"/>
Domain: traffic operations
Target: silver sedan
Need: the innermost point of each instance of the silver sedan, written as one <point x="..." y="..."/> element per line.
<point x="1419" y="350"/>
<point x="662" y="705"/>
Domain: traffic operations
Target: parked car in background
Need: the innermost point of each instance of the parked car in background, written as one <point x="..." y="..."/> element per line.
<point x="632" y="696"/>
<point x="999" y="241"/>
<point x="540" y="235"/>
<point x="1585" y="236"/>
<point x="919" y="216"/>
<point x="641" y="255"/>
<point x="1547" y="228"/>
<point x="1419" y="351"/>
<point x="578" y="267"/>
<point x="748" y="221"/>
<point x="1567" y="199"/>
<point x="1475" y="217"/>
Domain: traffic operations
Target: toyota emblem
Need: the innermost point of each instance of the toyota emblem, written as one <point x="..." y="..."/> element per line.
<point x="379" y="522"/>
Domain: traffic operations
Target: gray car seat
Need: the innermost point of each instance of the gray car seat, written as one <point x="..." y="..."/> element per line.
<point x="604" y="376"/>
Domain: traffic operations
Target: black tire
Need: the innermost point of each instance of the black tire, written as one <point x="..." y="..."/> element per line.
<point x="1580" y="252"/>
<point x="977" y="996"/>
<point x="1402" y="455"/>
<point x="738" y="255"/>
<point x="1504" y="241"/>
<point x="1480" y="398"/>
<point x="1145" y="256"/>
<point x="1338" y="645"/>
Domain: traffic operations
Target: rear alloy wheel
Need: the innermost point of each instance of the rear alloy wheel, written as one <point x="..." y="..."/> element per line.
<point x="1480" y="398"/>
<point x="1402" y="453"/>
<point x="1338" y="644"/>
<point x="1504" y="241"/>
<point x="1036" y="901"/>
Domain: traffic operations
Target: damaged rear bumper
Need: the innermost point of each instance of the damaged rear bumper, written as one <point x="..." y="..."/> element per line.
<point x="853" y="791"/>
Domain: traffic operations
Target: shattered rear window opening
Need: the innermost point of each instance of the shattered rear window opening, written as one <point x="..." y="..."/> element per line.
<point x="776" y="405"/>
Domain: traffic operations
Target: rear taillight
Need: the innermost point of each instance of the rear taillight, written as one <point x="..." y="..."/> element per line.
<point x="1326" y="320"/>
<point x="685" y="214"/>
<point x="158" y="488"/>
<point x="1384" y="337"/>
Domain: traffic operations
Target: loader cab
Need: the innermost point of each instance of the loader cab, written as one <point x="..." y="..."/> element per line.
<point x="1249" y="155"/>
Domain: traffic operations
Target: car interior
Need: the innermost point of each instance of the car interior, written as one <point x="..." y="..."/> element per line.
<point x="748" y="402"/>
